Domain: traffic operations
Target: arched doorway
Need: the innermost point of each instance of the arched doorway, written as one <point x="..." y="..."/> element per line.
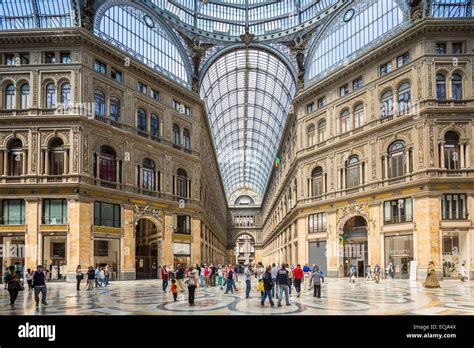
<point x="356" y="251"/>
<point x="147" y="249"/>
<point x="245" y="252"/>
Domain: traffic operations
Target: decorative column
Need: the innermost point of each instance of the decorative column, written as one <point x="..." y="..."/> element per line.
<point x="128" y="250"/>
<point x="468" y="155"/>
<point x="441" y="155"/>
<point x="32" y="233"/>
<point x="46" y="162"/>
<point x="407" y="161"/>
<point x="5" y="162"/>
<point x="461" y="156"/>
<point x="386" y="167"/>
<point x="24" y="156"/>
<point x="343" y="185"/>
<point x="361" y="173"/>
<point x="196" y="242"/>
<point x="66" y="161"/>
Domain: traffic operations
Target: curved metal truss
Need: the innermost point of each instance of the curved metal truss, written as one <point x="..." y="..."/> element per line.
<point x="30" y="14"/>
<point x="247" y="92"/>
<point x="144" y="36"/>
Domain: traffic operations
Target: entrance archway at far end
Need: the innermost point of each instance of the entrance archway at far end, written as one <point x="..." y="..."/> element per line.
<point x="355" y="245"/>
<point x="245" y="249"/>
<point x="148" y="249"/>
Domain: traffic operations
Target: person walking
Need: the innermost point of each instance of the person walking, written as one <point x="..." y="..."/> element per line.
<point x="230" y="281"/>
<point x="107" y="274"/>
<point x="463" y="273"/>
<point x="12" y="280"/>
<point x="267" y="287"/>
<point x="290" y="278"/>
<point x="39" y="285"/>
<point x="174" y="289"/>
<point x="201" y="276"/>
<point x="219" y="277"/>
<point x="29" y="279"/>
<point x="248" y="277"/>
<point x="79" y="277"/>
<point x="90" y="278"/>
<point x="298" y="277"/>
<point x="306" y="272"/>
<point x="192" y="283"/>
<point x="316" y="279"/>
<point x="179" y="277"/>
<point x="283" y="281"/>
<point x="164" y="277"/>
<point x="96" y="276"/>
<point x="352" y="273"/>
<point x="274" y="273"/>
<point x="369" y="274"/>
<point x="377" y="273"/>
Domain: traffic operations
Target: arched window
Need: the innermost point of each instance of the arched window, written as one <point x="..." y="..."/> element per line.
<point x="311" y="133"/>
<point x="115" y="109"/>
<point x="451" y="150"/>
<point x="66" y="94"/>
<point x="396" y="159"/>
<point x="176" y="135"/>
<point x="181" y="183"/>
<point x="107" y="164"/>
<point x="149" y="175"/>
<point x="352" y="172"/>
<point x="345" y="121"/>
<point x="386" y="104"/>
<point x="141" y="120"/>
<point x="359" y="115"/>
<point x="404" y="97"/>
<point x="317" y="182"/>
<point x="456" y="86"/>
<point x="186" y="138"/>
<point x="155" y="126"/>
<point x="99" y="103"/>
<point x="15" y="158"/>
<point x="440" y="87"/>
<point x="25" y="96"/>
<point x="56" y="157"/>
<point x="50" y="96"/>
<point x="10" y="97"/>
<point x="322" y="131"/>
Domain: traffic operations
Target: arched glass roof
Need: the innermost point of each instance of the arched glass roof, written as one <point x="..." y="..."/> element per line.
<point x="27" y="14"/>
<point x="232" y="17"/>
<point x="247" y="94"/>
<point x="145" y="38"/>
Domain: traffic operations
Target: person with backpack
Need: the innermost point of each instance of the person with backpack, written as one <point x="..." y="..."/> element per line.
<point x="267" y="287"/>
<point x="39" y="285"/>
<point x="79" y="277"/>
<point x="283" y="281"/>
<point x="192" y="283"/>
<point x="12" y="281"/>
<point x="230" y="281"/>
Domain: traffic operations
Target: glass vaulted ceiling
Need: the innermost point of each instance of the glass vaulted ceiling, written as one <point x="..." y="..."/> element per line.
<point x="247" y="93"/>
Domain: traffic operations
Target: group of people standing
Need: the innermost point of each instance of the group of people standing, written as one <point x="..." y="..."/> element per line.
<point x="99" y="276"/>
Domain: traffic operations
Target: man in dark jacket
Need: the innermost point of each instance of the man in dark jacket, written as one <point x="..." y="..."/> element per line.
<point x="13" y="282"/>
<point x="283" y="281"/>
<point x="39" y="285"/>
<point x="267" y="287"/>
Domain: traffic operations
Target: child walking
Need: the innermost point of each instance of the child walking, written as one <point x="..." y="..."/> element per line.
<point x="174" y="290"/>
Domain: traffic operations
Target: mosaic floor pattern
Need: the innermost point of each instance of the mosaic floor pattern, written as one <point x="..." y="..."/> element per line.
<point x="339" y="297"/>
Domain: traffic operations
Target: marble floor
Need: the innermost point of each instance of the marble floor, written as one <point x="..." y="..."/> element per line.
<point x="339" y="297"/>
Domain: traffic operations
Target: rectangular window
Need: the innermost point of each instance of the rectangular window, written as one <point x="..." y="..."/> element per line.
<point x="100" y="67"/>
<point x="454" y="206"/>
<point x="65" y="57"/>
<point x="24" y="58"/>
<point x="440" y="48"/>
<point x="50" y="57"/>
<point x="309" y="108"/>
<point x="357" y="83"/>
<point x="182" y="224"/>
<point x="385" y="68"/>
<point x="183" y="109"/>
<point x="13" y="212"/>
<point x="155" y="94"/>
<point x="456" y="48"/>
<point x="142" y="88"/>
<point x="321" y="102"/>
<point x="116" y="74"/>
<point x="54" y="211"/>
<point x="101" y="248"/>
<point x="344" y="90"/>
<point x="398" y="211"/>
<point x="9" y="59"/>
<point x="317" y="222"/>
<point x="403" y="59"/>
<point x="107" y="214"/>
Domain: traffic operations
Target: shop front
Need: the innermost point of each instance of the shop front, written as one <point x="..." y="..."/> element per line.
<point x="12" y="251"/>
<point x="181" y="253"/>
<point x="107" y="253"/>
<point x="398" y="254"/>
<point x="454" y="253"/>
<point x="54" y="258"/>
